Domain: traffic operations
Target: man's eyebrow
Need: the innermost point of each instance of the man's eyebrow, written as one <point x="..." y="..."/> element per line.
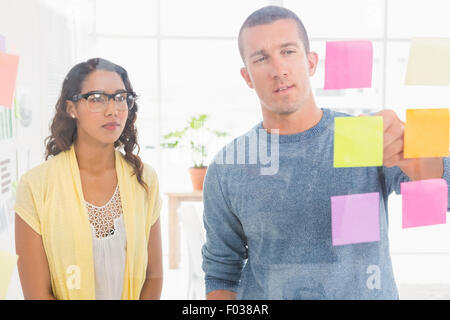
<point x="289" y="44"/>
<point x="284" y="45"/>
<point x="257" y="53"/>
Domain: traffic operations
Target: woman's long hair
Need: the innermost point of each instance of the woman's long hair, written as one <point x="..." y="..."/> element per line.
<point x="64" y="129"/>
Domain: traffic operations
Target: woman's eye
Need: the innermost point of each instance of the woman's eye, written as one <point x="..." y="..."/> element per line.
<point x="120" y="98"/>
<point x="96" y="98"/>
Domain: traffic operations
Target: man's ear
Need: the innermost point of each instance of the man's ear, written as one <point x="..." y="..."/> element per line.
<point x="70" y="109"/>
<point x="313" y="61"/>
<point x="246" y="76"/>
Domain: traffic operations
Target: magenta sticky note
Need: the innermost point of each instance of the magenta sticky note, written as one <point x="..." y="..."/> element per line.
<point x="2" y="43"/>
<point x="355" y="218"/>
<point x="424" y="202"/>
<point x="348" y="64"/>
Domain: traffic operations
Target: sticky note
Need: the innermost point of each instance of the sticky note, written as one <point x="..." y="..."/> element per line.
<point x="8" y="262"/>
<point x="429" y="62"/>
<point x="348" y="64"/>
<point x="426" y="133"/>
<point x="2" y="43"/>
<point x="358" y="141"/>
<point x="355" y="218"/>
<point x="8" y="73"/>
<point x="424" y="202"/>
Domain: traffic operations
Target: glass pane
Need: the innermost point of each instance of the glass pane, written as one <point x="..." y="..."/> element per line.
<point x="132" y="17"/>
<point x="353" y="101"/>
<point x="139" y="58"/>
<point x="418" y="18"/>
<point x="430" y="239"/>
<point x="148" y="139"/>
<point x="400" y="97"/>
<point x="206" y="17"/>
<point x="344" y="18"/>
<point x="203" y="76"/>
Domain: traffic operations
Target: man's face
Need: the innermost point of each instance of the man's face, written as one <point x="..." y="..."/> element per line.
<point x="277" y="66"/>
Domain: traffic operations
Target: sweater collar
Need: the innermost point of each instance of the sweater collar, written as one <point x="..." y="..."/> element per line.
<point x="323" y="125"/>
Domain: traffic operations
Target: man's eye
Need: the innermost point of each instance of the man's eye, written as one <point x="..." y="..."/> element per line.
<point x="260" y="59"/>
<point x="289" y="51"/>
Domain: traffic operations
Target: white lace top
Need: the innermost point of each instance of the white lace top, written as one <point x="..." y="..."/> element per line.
<point x="109" y="247"/>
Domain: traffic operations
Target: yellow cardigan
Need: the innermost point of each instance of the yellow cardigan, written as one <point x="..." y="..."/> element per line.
<point x="50" y="200"/>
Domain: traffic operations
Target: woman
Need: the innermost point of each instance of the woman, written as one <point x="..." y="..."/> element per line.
<point x="87" y="219"/>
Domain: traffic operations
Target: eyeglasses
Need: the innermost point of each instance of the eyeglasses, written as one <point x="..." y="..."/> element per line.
<point x="97" y="101"/>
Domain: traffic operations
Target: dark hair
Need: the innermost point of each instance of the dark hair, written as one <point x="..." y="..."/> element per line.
<point x="64" y="129"/>
<point x="268" y="15"/>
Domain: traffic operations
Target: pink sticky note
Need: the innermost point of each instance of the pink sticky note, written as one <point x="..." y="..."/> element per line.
<point x="424" y="202"/>
<point x="348" y="64"/>
<point x="355" y="218"/>
<point x="8" y="74"/>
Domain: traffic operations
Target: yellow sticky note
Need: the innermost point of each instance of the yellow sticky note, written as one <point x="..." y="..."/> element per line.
<point x="429" y="62"/>
<point x="358" y="141"/>
<point x="426" y="133"/>
<point x="8" y="262"/>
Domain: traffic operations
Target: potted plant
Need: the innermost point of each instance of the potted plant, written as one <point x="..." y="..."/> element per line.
<point x="194" y="136"/>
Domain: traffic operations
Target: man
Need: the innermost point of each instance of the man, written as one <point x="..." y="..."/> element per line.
<point x="269" y="235"/>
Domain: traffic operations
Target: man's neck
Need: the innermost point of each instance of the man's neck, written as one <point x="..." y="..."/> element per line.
<point x="303" y="119"/>
<point x="93" y="157"/>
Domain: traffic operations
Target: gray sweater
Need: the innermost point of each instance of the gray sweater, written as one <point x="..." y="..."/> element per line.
<point x="267" y="215"/>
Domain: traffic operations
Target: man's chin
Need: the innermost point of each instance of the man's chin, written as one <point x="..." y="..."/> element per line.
<point x="285" y="110"/>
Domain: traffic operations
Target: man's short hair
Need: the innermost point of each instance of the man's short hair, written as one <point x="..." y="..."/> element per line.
<point x="268" y="15"/>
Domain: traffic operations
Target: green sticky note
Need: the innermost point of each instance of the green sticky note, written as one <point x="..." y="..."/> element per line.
<point x="358" y="142"/>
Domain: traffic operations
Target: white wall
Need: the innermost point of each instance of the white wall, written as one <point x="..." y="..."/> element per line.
<point x="42" y="33"/>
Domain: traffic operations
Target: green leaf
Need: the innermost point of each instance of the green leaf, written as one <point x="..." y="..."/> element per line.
<point x="170" y="144"/>
<point x="178" y="138"/>
<point x="198" y="122"/>
<point x="218" y="133"/>
<point x="175" y="134"/>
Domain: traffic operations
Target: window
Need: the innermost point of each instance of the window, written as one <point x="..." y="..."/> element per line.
<point x="205" y="18"/>
<point x="133" y="17"/>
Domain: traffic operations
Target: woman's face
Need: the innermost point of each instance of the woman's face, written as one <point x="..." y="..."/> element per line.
<point x="101" y="124"/>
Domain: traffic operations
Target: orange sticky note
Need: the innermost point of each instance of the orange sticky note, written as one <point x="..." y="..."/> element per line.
<point x="426" y="133"/>
<point x="9" y="65"/>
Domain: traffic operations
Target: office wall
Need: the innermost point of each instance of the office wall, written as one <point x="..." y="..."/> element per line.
<point x="42" y="33"/>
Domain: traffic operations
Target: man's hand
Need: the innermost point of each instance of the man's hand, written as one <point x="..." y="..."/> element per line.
<point x="393" y="131"/>
<point x="393" y="138"/>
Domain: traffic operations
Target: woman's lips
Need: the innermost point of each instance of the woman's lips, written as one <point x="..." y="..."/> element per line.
<point x="111" y="126"/>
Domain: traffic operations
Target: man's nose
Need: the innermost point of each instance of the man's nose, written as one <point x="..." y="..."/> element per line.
<point x="279" y="68"/>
